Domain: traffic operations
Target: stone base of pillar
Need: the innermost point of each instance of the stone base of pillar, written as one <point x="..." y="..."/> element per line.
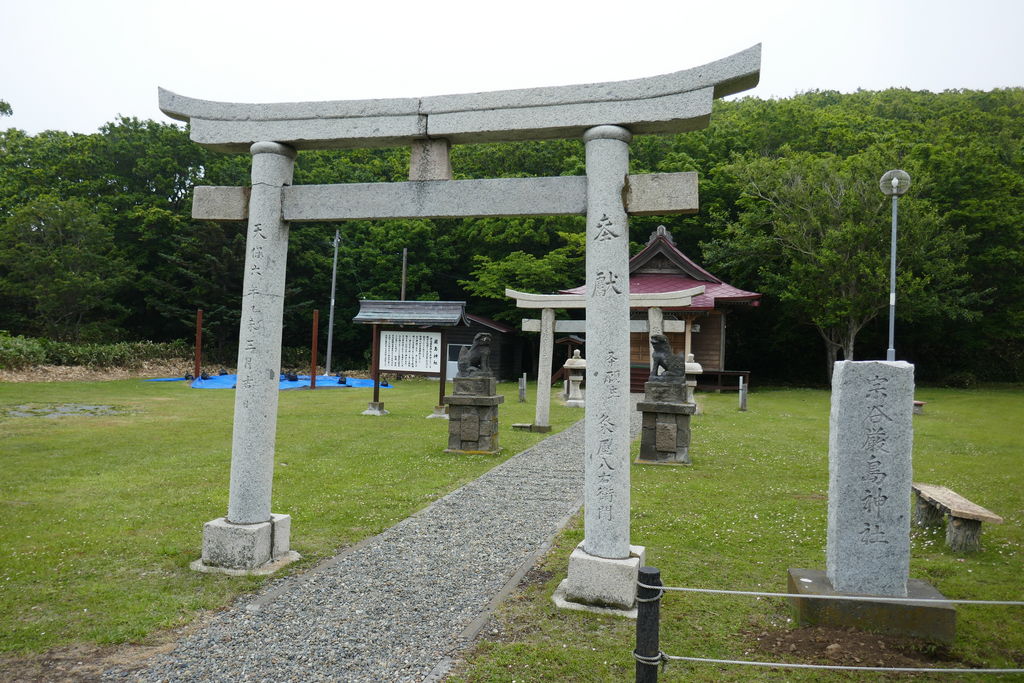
<point x="440" y="413"/>
<point x="934" y="621"/>
<point x="246" y="548"/>
<point x="665" y="435"/>
<point x="601" y="582"/>
<point x="473" y="416"/>
<point x="375" y="408"/>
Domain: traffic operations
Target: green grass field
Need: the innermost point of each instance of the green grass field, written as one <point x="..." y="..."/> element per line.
<point x="102" y="514"/>
<point x="754" y="504"/>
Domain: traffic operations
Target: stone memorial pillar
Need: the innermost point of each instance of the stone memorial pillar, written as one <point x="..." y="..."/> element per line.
<point x="250" y="536"/>
<point x="603" y="568"/>
<point x="869" y="466"/>
<point x="868" y="545"/>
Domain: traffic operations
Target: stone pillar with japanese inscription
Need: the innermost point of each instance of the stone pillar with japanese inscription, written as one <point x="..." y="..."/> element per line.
<point x="603" y="568"/>
<point x="250" y="536"/>
<point x="870" y="444"/>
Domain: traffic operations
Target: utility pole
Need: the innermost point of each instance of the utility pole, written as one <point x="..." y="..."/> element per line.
<point x="330" y="316"/>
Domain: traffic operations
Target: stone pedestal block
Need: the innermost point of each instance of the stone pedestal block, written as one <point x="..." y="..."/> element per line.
<point x="475" y="386"/>
<point x="473" y="418"/>
<point x="245" y="547"/>
<point x="375" y="408"/>
<point x="603" y="582"/>
<point x="935" y="621"/>
<point x="665" y="437"/>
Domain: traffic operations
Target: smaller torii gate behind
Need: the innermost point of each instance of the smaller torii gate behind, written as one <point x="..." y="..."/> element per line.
<point x="547" y="326"/>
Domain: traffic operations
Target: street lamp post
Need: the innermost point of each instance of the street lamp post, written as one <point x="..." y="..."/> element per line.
<point x="893" y="184"/>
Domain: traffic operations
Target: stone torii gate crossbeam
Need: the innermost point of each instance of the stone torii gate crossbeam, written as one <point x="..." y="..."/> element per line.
<point x="604" y="115"/>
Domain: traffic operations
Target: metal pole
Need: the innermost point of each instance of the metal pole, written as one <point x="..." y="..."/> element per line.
<point x="316" y="333"/>
<point x="648" y="649"/>
<point x="198" y="366"/>
<point x="890" y="354"/>
<point x="330" y="315"/>
<point x="405" y="261"/>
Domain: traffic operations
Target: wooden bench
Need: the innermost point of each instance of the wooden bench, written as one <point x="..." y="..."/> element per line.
<point x="963" y="529"/>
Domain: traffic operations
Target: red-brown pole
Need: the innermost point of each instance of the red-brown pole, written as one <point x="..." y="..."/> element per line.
<point x="444" y="368"/>
<point x="199" y="344"/>
<point x="316" y="333"/>
<point x="376" y="363"/>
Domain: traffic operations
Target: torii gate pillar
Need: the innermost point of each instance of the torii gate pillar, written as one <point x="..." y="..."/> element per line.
<point x="250" y="538"/>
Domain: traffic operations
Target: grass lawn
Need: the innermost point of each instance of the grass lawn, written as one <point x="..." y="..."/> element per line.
<point x="754" y="504"/>
<point x="102" y="514"/>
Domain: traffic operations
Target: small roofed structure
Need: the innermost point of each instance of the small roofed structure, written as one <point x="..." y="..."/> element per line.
<point x="662" y="267"/>
<point x="459" y="328"/>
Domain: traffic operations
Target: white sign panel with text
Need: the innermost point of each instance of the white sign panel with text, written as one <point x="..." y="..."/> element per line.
<point x="402" y="351"/>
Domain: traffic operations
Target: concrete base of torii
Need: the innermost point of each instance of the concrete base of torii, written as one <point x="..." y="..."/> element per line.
<point x="242" y="549"/>
<point x="600" y="584"/>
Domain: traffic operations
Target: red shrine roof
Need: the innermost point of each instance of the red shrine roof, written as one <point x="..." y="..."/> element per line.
<point x="661" y="267"/>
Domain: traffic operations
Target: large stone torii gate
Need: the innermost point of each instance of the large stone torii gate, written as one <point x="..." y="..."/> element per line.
<point x="605" y="115"/>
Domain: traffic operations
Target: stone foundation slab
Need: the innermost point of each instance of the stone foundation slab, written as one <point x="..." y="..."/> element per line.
<point x="934" y="621"/>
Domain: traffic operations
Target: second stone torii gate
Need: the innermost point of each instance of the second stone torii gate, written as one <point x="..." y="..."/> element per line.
<point x="547" y="326"/>
<point x="604" y="115"/>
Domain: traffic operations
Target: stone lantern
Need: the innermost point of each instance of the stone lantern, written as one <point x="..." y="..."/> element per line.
<point x="576" y="368"/>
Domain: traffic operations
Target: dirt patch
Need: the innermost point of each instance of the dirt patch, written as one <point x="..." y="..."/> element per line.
<point x="77" y="373"/>
<point x="86" y="662"/>
<point x="848" y="647"/>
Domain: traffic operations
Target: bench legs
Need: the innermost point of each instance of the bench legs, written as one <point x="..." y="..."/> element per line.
<point x="926" y="514"/>
<point x="963" y="535"/>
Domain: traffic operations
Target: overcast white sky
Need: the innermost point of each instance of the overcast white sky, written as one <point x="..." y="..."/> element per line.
<point x="76" y="64"/>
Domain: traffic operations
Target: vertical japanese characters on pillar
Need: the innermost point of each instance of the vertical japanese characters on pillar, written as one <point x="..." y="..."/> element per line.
<point x="259" y="343"/>
<point x="606" y="487"/>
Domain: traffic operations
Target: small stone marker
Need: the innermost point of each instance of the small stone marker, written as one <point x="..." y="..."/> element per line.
<point x="743" y="395"/>
<point x="870" y="443"/>
<point x="522" y="388"/>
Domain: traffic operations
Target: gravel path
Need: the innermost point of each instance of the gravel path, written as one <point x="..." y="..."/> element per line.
<point x="398" y="606"/>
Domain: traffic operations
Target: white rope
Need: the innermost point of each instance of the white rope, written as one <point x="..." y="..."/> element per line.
<point x="860" y="598"/>
<point x="845" y="668"/>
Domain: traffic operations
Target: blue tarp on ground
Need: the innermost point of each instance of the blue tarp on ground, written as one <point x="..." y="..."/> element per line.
<point x="303" y="381"/>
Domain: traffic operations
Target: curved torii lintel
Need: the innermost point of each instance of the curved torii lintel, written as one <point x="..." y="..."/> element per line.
<point x="668" y="103"/>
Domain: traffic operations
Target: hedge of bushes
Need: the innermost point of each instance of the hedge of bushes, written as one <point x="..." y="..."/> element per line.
<point x="20" y="352"/>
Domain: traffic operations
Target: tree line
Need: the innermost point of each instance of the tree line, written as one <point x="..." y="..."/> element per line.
<point x="97" y="242"/>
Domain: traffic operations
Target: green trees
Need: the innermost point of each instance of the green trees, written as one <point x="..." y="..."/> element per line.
<point x="811" y="230"/>
<point x="789" y="207"/>
<point x="64" y="276"/>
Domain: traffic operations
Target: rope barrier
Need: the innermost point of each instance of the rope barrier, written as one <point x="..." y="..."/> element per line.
<point x="651" y="643"/>
<point x="860" y="598"/>
<point x="786" y="665"/>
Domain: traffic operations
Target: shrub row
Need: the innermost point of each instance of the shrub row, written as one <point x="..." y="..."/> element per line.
<point x="20" y="352"/>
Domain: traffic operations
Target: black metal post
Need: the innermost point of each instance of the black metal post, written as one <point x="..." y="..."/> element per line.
<point x="648" y="650"/>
